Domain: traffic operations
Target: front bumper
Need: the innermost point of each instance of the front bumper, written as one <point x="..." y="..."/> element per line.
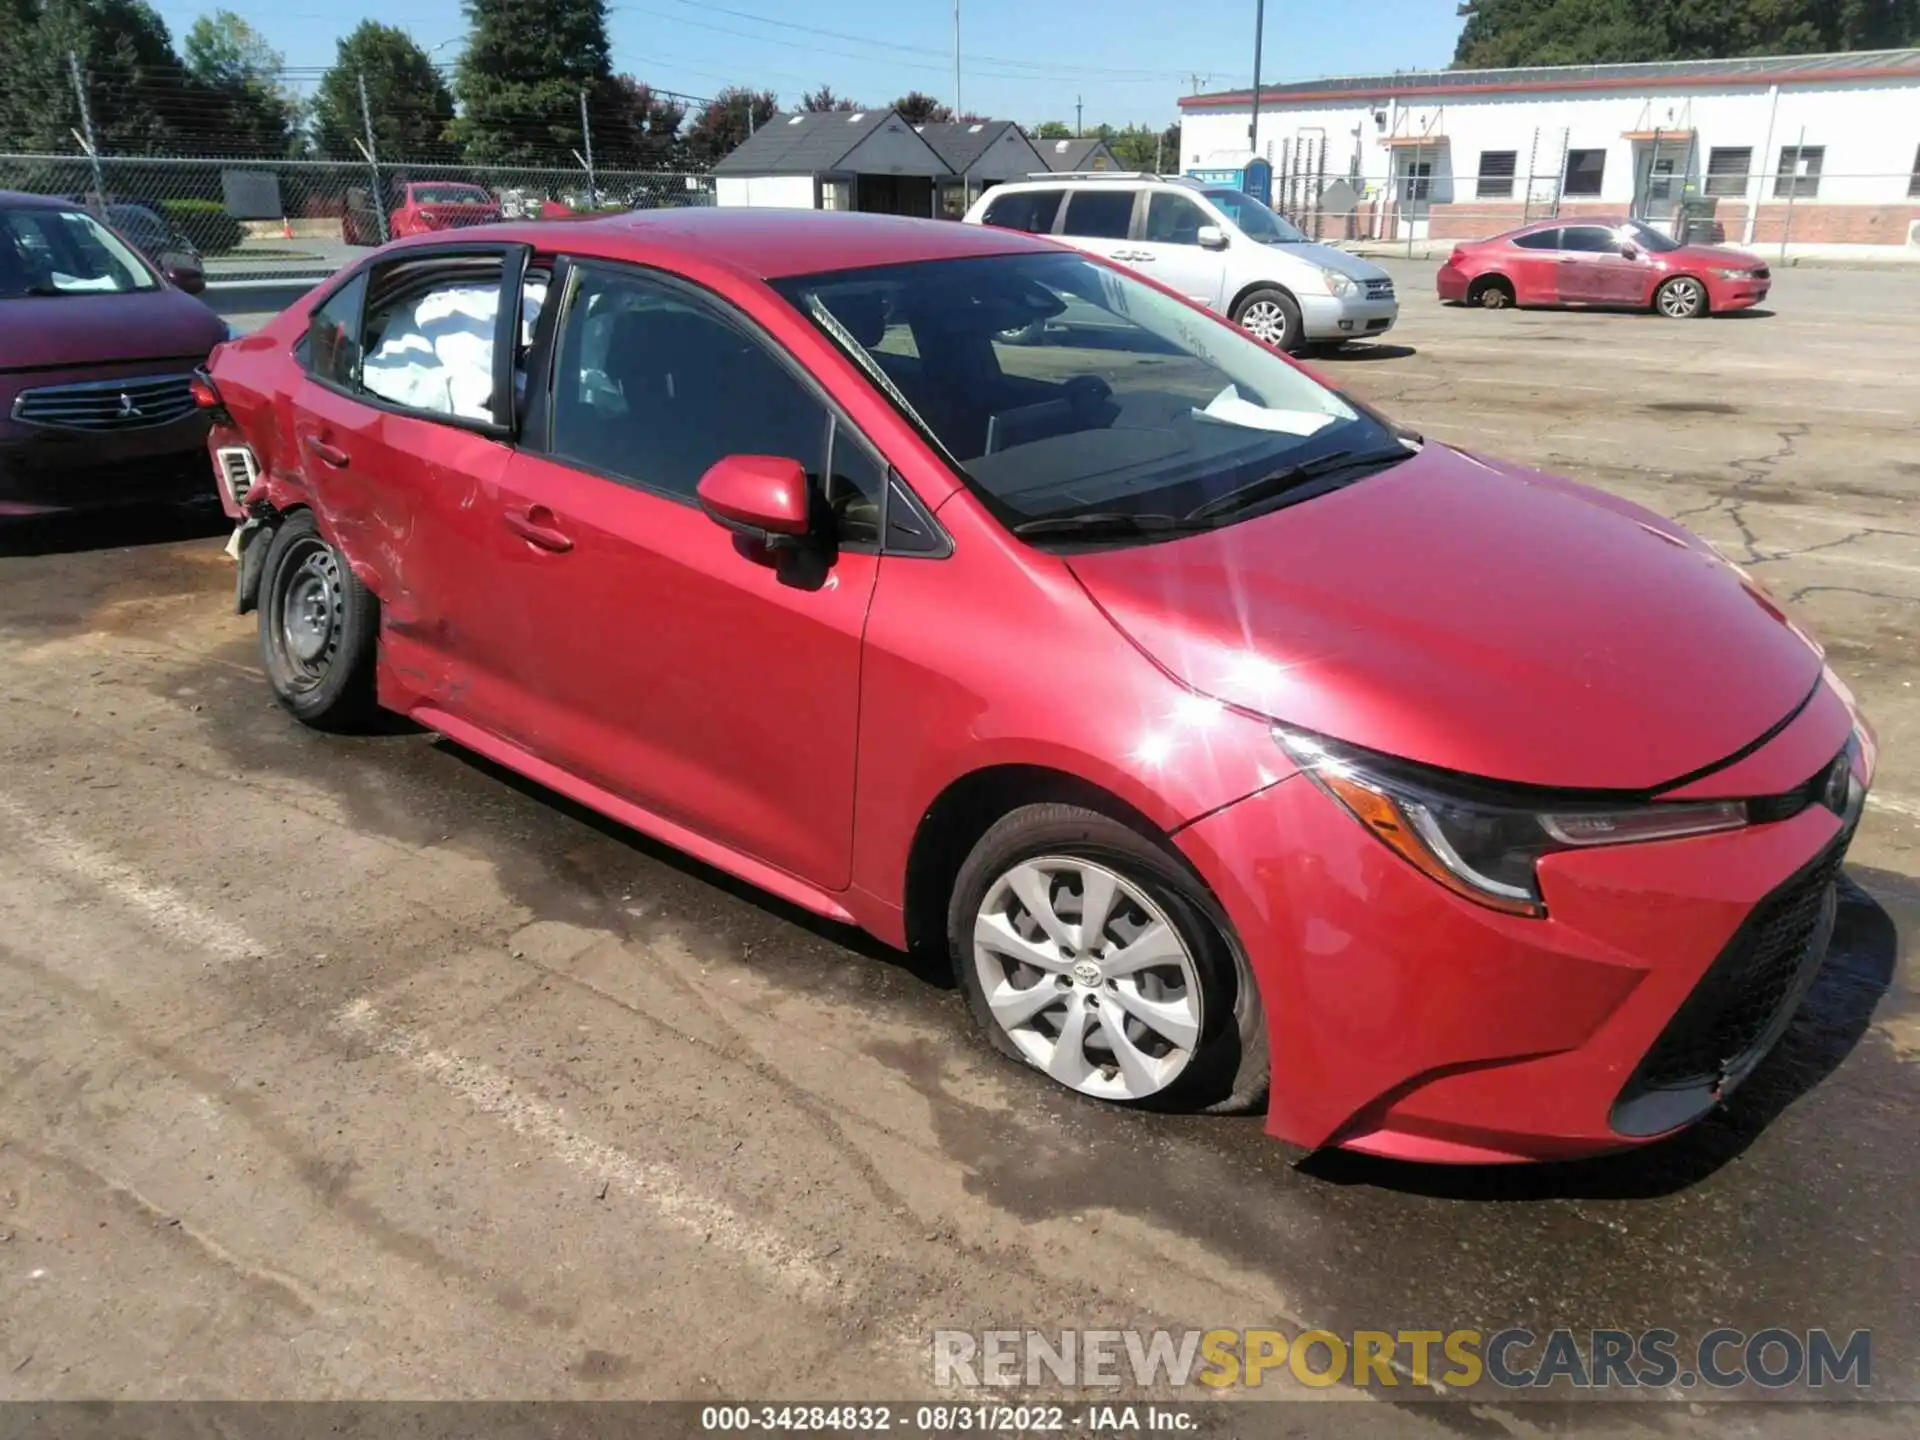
<point x="1332" y="317"/>
<point x="50" y="472"/>
<point x="1408" y="1022"/>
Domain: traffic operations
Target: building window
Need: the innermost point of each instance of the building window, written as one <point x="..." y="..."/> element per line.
<point x="1799" y="173"/>
<point x="1496" y="174"/>
<point x="1913" y="185"/>
<point x="1416" y="181"/>
<point x="1584" y="171"/>
<point x="1728" y="170"/>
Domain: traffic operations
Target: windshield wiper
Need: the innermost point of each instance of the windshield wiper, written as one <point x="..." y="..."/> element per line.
<point x="1098" y="523"/>
<point x="1293" y="477"/>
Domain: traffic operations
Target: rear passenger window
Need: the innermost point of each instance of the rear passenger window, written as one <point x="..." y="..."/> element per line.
<point x="1590" y="239"/>
<point x="1099" y="214"/>
<point x="648" y="390"/>
<point x="1029" y="210"/>
<point x="330" y="350"/>
<point x="1539" y="240"/>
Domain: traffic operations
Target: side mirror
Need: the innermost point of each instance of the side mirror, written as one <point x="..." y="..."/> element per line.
<point x="763" y="498"/>
<point x="1211" y="237"/>
<point x="1630" y="252"/>
<point x="183" y="274"/>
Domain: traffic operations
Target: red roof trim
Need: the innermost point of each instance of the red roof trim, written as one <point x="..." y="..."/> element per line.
<point x="1236" y="98"/>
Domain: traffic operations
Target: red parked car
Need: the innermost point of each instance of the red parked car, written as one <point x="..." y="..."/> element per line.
<point x="1620" y="263"/>
<point x="1231" y="741"/>
<point x="97" y="354"/>
<point x="424" y="206"/>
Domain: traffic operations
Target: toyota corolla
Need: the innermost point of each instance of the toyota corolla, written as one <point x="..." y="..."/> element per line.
<point x="1238" y="747"/>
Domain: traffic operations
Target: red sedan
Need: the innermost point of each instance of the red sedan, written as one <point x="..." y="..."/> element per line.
<point x="421" y="208"/>
<point x="1620" y="263"/>
<point x="1234" y="744"/>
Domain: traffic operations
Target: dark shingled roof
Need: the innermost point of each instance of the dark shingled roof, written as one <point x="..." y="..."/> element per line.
<point x="1664" y="74"/>
<point x="1070" y="154"/>
<point x="804" y="143"/>
<point x="960" y="142"/>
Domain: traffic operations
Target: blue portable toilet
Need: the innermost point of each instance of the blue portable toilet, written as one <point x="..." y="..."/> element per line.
<point x="1255" y="178"/>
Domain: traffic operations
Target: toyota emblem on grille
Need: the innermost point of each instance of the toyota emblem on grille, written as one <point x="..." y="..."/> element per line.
<point x="128" y="410"/>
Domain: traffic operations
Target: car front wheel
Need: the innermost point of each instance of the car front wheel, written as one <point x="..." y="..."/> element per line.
<point x="1272" y="316"/>
<point x="1681" y="298"/>
<point x="317" y="629"/>
<point x="1092" y="955"/>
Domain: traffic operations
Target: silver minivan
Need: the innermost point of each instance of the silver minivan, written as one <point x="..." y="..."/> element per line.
<point x="1218" y="246"/>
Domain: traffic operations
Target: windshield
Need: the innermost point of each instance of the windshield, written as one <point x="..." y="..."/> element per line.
<point x="1255" y="220"/>
<point x="1062" y="388"/>
<point x="138" y="224"/>
<point x="450" y="195"/>
<point x="1647" y="238"/>
<point x="65" y="252"/>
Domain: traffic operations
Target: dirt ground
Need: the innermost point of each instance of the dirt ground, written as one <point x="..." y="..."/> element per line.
<point x="358" y="1068"/>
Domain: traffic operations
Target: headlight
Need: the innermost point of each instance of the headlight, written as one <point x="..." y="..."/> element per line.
<point x="1338" y="284"/>
<point x="1483" y="848"/>
<point x="1734" y="274"/>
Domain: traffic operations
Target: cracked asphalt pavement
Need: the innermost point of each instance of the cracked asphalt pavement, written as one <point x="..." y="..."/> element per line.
<point x="358" y="1068"/>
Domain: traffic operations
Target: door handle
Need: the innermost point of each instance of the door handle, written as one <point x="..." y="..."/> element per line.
<point x="327" y="454"/>
<point x="535" y="525"/>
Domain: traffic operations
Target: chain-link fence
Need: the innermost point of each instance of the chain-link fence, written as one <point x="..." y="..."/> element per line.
<point x="267" y="218"/>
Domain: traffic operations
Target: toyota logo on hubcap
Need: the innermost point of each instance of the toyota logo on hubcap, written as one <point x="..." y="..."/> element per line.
<point x="1087" y="972"/>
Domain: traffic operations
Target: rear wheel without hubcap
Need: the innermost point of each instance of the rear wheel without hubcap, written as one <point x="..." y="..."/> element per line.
<point x="317" y="624"/>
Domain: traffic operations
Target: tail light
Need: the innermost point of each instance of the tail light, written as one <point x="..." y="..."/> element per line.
<point x="1458" y="257"/>
<point x="207" y="398"/>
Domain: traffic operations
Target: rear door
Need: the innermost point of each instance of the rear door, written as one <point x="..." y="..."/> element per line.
<point x="1099" y="219"/>
<point x="655" y="654"/>
<point x="1169" y="250"/>
<point x="400" y="423"/>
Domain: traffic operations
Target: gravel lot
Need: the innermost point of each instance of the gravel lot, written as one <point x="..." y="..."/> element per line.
<point x="357" y="1068"/>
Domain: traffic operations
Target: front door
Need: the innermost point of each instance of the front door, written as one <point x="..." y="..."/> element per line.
<point x="656" y="655"/>
<point x="1594" y="268"/>
<point x="1169" y="248"/>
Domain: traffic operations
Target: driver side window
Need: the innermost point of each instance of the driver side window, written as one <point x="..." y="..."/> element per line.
<point x="653" y="384"/>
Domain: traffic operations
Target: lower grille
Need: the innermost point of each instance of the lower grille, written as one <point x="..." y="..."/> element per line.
<point x="158" y="479"/>
<point x="139" y="403"/>
<point x="1379" y="289"/>
<point x="1739" y="1007"/>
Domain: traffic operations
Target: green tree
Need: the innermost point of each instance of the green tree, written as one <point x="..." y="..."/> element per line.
<point x="918" y="109"/>
<point x="520" y="82"/>
<point x="1053" y="130"/>
<point x="724" y="124"/>
<point x="234" y="102"/>
<point x="824" y="99"/>
<point x="1597" y="32"/>
<point x="409" y="102"/>
<point x="653" y="124"/>
<point x="133" y="81"/>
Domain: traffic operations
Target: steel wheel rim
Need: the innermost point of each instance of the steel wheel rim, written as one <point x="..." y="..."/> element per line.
<point x="1088" y="978"/>
<point x="1493" y="298"/>
<point x="1680" y="299"/>
<point x="310" y="611"/>
<point x="1264" y="320"/>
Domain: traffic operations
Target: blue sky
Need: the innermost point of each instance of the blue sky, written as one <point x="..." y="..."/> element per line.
<point x="1127" y="60"/>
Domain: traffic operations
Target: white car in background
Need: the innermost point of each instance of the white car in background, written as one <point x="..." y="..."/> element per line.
<point x="1218" y="246"/>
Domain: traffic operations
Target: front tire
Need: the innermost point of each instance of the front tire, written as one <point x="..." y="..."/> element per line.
<point x="318" y="627"/>
<point x="1273" y="316"/>
<point x="1146" y="1002"/>
<point x="1681" y="298"/>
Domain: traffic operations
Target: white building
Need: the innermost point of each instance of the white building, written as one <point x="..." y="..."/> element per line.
<point x="1814" y="149"/>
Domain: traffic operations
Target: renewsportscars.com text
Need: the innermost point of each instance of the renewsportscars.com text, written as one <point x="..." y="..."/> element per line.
<point x="1513" y="1359"/>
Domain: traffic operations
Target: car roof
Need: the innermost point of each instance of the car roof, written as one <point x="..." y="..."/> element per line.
<point x="21" y="200"/>
<point x="765" y="244"/>
<point x="1562" y="222"/>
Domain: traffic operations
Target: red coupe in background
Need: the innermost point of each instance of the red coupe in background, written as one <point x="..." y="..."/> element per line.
<point x="1621" y="263"/>
<point x="1233" y="743"/>
<point x="423" y="207"/>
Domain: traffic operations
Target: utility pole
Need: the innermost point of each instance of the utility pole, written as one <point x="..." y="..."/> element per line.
<point x="86" y="128"/>
<point x="957" y="110"/>
<point x="586" y="138"/>
<point x="1078" y="128"/>
<point x="378" y="201"/>
<point x="1259" y="32"/>
<point x="1198" y="80"/>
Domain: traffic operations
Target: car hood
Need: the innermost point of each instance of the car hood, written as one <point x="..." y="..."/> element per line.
<point x="37" y="332"/>
<point x="1722" y="256"/>
<point x="1474" y="616"/>
<point x="1354" y="267"/>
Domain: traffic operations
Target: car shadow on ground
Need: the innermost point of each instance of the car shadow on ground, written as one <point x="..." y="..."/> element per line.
<point x="1360" y="352"/>
<point x="71" y="533"/>
<point x="1833" y="1018"/>
<point x="932" y="969"/>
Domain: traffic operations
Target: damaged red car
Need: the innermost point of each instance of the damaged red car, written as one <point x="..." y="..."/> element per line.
<point x="1240" y="748"/>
